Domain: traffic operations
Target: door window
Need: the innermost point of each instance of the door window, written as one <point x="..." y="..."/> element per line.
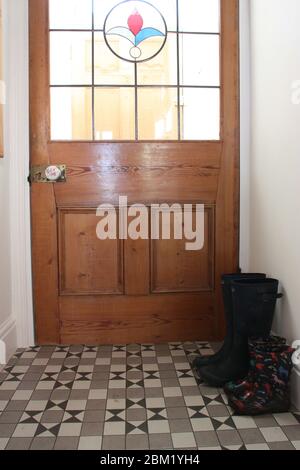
<point x="135" y="70"/>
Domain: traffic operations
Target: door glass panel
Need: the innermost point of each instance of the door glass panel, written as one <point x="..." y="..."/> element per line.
<point x="205" y="71"/>
<point x="201" y="16"/>
<point x="71" y="58"/>
<point x="159" y="59"/>
<point x="162" y="69"/>
<point x="114" y="114"/>
<point x="109" y="69"/>
<point x="101" y="10"/>
<point x="71" y="113"/>
<point x="70" y="14"/>
<point x="168" y="9"/>
<point x="157" y="114"/>
<point x="200" y="114"/>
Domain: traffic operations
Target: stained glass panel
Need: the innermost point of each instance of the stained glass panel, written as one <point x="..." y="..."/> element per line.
<point x="162" y="69"/>
<point x="108" y="68"/>
<point x="168" y="9"/>
<point x="101" y="9"/>
<point x="135" y="69"/>
<point x="135" y="23"/>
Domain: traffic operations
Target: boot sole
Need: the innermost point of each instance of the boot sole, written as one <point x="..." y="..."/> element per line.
<point x="272" y="408"/>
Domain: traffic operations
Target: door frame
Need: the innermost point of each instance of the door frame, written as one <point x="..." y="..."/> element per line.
<point x="18" y="155"/>
<point x="16" y="124"/>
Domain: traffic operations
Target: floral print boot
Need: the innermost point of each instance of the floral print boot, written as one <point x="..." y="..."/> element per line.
<point x="270" y="344"/>
<point x="268" y="391"/>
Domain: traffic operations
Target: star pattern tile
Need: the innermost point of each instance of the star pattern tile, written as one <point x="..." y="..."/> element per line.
<point x="136" y="396"/>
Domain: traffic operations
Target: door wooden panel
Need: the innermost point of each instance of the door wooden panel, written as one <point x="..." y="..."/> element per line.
<point x="121" y="291"/>
<point x="174" y="269"/>
<point x="178" y="172"/>
<point x="88" y="265"/>
<point x="137" y="267"/>
<point x="114" y="320"/>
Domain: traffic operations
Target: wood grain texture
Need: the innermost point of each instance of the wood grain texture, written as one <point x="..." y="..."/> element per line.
<point x="146" y="173"/>
<point x="129" y="277"/>
<point x="137" y="267"/>
<point x="227" y="207"/>
<point x="174" y="269"/>
<point x="43" y="205"/>
<point x="109" y="320"/>
<point x="88" y="265"/>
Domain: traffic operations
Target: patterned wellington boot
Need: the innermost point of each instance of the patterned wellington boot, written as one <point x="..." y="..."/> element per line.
<point x="270" y="344"/>
<point x="269" y="392"/>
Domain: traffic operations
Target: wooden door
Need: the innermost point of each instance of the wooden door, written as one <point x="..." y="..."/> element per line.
<point x="122" y="291"/>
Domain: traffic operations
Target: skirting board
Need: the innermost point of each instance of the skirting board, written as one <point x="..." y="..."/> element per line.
<point x="8" y="340"/>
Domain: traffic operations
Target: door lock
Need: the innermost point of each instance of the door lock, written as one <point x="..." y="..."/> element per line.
<point x="48" y="174"/>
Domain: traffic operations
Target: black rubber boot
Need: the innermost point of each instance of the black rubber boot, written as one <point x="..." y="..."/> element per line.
<point x="254" y="304"/>
<point x="227" y="280"/>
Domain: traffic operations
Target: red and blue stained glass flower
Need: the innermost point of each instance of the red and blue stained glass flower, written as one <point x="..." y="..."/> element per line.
<point x="135" y="22"/>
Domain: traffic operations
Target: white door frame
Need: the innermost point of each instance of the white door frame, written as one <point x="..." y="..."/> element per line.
<point x="16" y="66"/>
<point x="17" y="151"/>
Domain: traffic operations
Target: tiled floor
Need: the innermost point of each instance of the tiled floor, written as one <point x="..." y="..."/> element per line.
<point x="125" y="397"/>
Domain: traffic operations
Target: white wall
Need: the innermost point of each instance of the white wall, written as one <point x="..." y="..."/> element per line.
<point x="5" y="274"/>
<point x="245" y="128"/>
<point x="5" y="293"/>
<point x="6" y="320"/>
<point x="16" y="317"/>
<point x="275" y="154"/>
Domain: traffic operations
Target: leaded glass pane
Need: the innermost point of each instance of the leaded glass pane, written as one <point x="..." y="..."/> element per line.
<point x="70" y="14"/>
<point x="71" y="58"/>
<point x="114" y="114"/>
<point x="108" y="68"/>
<point x="157" y="111"/>
<point x="71" y="113"/>
<point x="162" y="69"/>
<point x="201" y="16"/>
<point x="205" y="71"/>
<point x="135" y="69"/>
<point x="200" y="114"/>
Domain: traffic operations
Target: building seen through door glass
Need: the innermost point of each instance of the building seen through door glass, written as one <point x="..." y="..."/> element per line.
<point x="135" y="70"/>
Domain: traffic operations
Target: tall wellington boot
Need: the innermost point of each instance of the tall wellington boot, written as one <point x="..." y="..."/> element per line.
<point x="270" y="390"/>
<point x="227" y="280"/>
<point x="254" y="303"/>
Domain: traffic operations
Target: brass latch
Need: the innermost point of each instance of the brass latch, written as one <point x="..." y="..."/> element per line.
<point x="48" y="174"/>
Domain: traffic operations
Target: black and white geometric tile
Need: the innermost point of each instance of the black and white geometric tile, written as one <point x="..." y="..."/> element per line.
<point x="126" y="397"/>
